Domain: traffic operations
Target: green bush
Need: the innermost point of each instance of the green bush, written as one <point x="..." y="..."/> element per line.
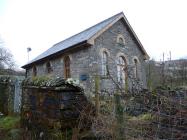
<point x="9" y="122"/>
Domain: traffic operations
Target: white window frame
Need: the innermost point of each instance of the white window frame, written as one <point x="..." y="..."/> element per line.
<point x="121" y="72"/>
<point x="104" y="64"/>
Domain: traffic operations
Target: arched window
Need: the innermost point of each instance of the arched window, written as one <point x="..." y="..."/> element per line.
<point x="104" y="63"/>
<point x="67" y="67"/>
<point x="34" y="71"/>
<point x="120" y="39"/>
<point x="48" y="67"/>
<point x="135" y="68"/>
<point x="121" y="69"/>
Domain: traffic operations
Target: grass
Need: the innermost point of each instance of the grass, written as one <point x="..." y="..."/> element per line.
<point x="143" y="117"/>
<point x="9" y="122"/>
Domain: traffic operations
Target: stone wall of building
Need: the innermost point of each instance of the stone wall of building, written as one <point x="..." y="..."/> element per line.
<point x="108" y="41"/>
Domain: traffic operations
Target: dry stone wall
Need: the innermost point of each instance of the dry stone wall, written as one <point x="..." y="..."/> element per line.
<point x="51" y="103"/>
<point x="10" y="94"/>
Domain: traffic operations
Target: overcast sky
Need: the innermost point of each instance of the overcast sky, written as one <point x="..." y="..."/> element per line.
<point x="161" y="25"/>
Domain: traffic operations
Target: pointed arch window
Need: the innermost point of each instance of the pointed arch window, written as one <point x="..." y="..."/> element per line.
<point x="34" y="71"/>
<point x="121" y="69"/>
<point x="48" y="67"/>
<point x="67" y="67"/>
<point x="104" y="63"/>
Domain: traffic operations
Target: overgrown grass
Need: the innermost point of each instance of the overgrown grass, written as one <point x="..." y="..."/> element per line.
<point x="40" y="80"/>
<point x="143" y="117"/>
<point x="9" y="122"/>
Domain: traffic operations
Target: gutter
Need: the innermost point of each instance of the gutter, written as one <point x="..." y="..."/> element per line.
<point x="71" y="48"/>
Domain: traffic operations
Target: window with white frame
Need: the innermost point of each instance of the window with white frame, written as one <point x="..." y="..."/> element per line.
<point x="104" y="63"/>
<point x="121" y="69"/>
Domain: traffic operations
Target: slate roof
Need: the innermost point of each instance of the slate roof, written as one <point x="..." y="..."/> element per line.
<point x="75" y="39"/>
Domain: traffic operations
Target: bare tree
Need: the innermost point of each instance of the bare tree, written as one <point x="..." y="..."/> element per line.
<point x="6" y="58"/>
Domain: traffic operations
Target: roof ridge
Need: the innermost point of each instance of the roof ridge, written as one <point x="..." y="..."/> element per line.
<point x="82" y="36"/>
<point x="90" y="27"/>
<point x="116" y="15"/>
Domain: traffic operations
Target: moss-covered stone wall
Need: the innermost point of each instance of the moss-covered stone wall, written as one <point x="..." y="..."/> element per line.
<point x="51" y="103"/>
<point x="10" y="94"/>
<point x="3" y="99"/>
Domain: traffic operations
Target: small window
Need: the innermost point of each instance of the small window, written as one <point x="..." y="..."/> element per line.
<point x="120" y="40"/>
<point x="48" y="67"/>
<point x="34" y="71"/>
<point x="67" y="67"/>
<point x="104" y="63"/>
<point x="135" y="68"/>
<point x="121" y="69"/>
